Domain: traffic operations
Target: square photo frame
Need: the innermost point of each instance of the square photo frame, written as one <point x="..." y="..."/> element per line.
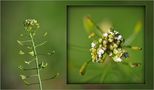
<point x="77" y="42"/>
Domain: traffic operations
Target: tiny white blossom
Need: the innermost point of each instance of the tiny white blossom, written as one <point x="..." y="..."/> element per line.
<point x="105" y="34"/>
<point x="117" y="59"/>
<point x="111" y="32"/>
<point x="93" y="44"/>
<point x="110" y="54"/>
<point x="104" y="42"/>
<point x="99" y="55"/>
<point x="119" y="37"/>
<point x="100" y="51"/>
<point x="116" y="32"/>
<point x="103" y="48"/>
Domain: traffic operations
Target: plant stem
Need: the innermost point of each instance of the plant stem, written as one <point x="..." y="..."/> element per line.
<point x="37" y="61"/>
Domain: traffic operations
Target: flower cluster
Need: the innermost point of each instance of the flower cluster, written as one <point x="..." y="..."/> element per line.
<point x="31" y="24"/>
<point x="109" y="44"/>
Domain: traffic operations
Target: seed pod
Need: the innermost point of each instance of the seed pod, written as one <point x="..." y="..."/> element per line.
<point x="84" y="67"/>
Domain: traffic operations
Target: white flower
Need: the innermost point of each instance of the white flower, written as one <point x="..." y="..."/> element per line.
<point x="105" y="34"/>
<point x="117" y="59"/>
<point x="119" y="37"/>
<point x="110" y="54"/>
<point x="100" y="51"/>
<point x="104" y="42"/>
<point x="93" y="44"/>
<point x="103" y="48"/>
<point x="99" y="55"/>
<point x="116" y="32"/>
<point x="111" y="32"/>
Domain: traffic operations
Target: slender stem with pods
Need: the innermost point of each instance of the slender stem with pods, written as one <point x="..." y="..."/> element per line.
<point x="36" y="60"/>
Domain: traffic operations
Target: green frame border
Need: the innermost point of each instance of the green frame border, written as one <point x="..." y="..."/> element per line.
<point x="148" y="42"/>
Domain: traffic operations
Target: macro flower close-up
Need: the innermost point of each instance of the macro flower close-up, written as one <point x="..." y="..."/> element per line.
<point x="104" y="42"/>
<point x="109" y="44"/>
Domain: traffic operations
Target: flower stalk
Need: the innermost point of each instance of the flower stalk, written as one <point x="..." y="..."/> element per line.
<point x="36" y="61"/>
<point x="31" y="26"/>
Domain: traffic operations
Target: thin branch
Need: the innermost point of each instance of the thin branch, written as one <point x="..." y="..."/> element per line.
<point x="29" y="69"/>
<point x="41" y="44"/>
<point x="28" y="62"/>
<point x="27" y="83"/>
<point x="51" y="77"/>
<point x="26" y="41"/>
<point x="37" y="61"/>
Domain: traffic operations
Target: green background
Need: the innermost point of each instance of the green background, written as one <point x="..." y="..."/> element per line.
<point x="52" y="19"/>
<point x="124" y="20"/>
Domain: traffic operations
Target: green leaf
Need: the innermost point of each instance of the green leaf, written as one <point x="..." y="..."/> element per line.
<point x="41" y="44"/>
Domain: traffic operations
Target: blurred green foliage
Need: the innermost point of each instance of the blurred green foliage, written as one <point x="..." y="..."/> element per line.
<point x="124" y="20"/>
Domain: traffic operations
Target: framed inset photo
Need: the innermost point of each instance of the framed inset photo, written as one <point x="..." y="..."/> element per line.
<point x="107" y="44"/>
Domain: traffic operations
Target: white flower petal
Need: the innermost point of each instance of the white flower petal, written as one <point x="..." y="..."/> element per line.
<point x="100" y="51"/>
<point x="93" y="44"/>
<point x="110" y="54"/>
<point x="105" y="34"/>
<point x="116" y="32"/>
<point x="119" y="37"/>
<point x="117" y="59"/>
